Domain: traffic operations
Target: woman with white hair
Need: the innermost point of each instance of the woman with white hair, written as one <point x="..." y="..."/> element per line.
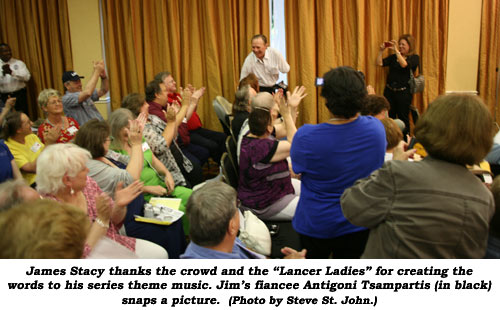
<point x="62" y="176"/>
<point x="51" y="103"/>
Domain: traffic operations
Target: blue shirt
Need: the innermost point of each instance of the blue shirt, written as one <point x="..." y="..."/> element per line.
<point x="239" y="252"/>
<point x="5" y="163"/>
<point x="331" y="158"/>
<point x="83" y="111"/>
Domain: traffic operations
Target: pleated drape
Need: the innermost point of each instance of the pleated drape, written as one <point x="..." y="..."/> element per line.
<point x="38" y="33"/>
<point x="200" y="42"/>
<point x="324" y="34"/>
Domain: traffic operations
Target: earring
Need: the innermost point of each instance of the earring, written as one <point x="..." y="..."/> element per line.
<point x="72" y="192"/>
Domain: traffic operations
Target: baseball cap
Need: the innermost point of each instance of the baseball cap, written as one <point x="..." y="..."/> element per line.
<point x="71" y="76"/>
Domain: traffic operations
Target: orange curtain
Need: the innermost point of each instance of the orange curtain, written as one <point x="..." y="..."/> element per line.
<point x="201" y="42"/>
<point x="325" y="34"/>
<point x="38" y="33"/>
<point x="489" y="56"/>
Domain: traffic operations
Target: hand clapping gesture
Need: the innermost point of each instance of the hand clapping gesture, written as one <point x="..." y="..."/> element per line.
<point x="51" y="135"/>
<point x="135" y="132"/>
<point x="296" y="97"/>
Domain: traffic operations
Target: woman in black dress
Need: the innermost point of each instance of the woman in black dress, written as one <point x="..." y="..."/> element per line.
<point x="397" y="89"/>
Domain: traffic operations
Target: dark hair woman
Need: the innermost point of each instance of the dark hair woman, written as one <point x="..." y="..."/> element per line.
<point x="330" y="157"/>
<point x="397" y="89"/>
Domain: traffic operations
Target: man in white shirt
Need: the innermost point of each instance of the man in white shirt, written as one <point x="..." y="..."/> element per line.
<point x="13" y="78"/>
<point x="265" y="62"/>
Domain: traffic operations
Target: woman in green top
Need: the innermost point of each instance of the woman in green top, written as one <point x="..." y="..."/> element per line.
<point x="158" y="181"/>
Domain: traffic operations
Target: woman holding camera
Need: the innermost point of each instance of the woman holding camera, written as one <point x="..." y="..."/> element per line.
<point x="397" y="89"/>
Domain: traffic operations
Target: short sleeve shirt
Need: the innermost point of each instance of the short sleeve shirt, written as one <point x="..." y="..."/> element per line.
<point x="83" y="111"/>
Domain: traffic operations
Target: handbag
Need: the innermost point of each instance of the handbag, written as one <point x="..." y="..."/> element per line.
<point x="254" y="234"/>
<point x="417" y="84"/>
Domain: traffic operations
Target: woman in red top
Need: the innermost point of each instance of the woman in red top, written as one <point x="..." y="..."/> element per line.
<point x="51" y="103"/>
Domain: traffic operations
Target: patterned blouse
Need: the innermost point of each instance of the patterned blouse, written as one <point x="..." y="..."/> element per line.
<point x="67" y="134"/>
<point x="91" y="192"/>
<point x="153" y="134"/>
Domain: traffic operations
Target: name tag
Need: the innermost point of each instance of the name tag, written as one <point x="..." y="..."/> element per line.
<point x="145" y="147"/>
<point x="72" y="130"/>
<point x="36" y="147"/>
<point x="114" y="155"/>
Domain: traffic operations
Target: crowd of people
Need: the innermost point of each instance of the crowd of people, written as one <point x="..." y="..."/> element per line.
<point x="351" y="187"/>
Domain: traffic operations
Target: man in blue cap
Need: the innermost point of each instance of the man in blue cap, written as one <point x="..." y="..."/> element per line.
<point x="78" y="103"/>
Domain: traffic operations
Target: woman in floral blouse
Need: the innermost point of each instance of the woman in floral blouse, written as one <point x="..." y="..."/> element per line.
<point x="51" y="103"/>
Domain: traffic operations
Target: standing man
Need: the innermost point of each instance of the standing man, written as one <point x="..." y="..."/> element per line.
<point x="265" y="62"/>
<point x="13" y="78"/>
<point x="78" y="103"/>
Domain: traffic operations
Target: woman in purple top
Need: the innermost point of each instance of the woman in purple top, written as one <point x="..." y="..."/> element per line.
<point x="265" y="185"/>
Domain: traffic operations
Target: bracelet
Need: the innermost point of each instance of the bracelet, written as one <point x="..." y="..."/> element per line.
<point x="101" y="223"/>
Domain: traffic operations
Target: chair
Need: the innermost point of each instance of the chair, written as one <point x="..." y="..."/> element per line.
<point x="222" y="115"/>
<point x="231" y="151"/>
<point x="228" y="171"/>
<point x="228" y="106"/>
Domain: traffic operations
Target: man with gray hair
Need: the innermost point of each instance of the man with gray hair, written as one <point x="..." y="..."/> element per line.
<point x="214" y="224"/>
<point x="269" y="102"/>
<point x="265" y="62"/>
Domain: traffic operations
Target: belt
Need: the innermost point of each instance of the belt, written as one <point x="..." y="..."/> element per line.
<point x="13" y="92"/>
<point x="395" y="89"/>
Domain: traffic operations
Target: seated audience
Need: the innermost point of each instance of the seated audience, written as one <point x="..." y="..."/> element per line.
<point x="62" y="176"/>
<point x="378" y="107"/>
<point x="241" y="108"/>
<point x="393" y="136"/>
<point x="270" y="102"/>
<point x="108" y="174"/>
<point x="24" y="145"/>
<point x="330" y="157"/>
<point x="51" y="103"/>
<point x="158" y="100"/>
<point x="43" y="229"/>
<point x="265" y="185"/>
<point x="433" y="208"/>
<point x="158" y="181"/>
<point x="214" y="141"/>
<point x="160" y="137"/>
<point x="14" y="192"/>
<point x="493" y="248"/>
<point x="215" y="223"/>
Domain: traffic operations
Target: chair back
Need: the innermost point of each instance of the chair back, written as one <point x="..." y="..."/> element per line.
<point x="228" y="171"/>
<point x="222" y="116"/>
<point x="231" y="151"/>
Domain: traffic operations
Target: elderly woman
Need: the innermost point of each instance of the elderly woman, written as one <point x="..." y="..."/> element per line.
<point x="94" y="136"/>
<point x="265" y="184"/>
<point x="24" y="145"/>
<point x="241" y="108"/>
<point x="330" y="157"/>
<point x="434" y="208"/>
<point x="51" y="103"/>
<point x="159" y="136"/>
<point x="397" y="89"/>
<point x="62" y="176"/>
<point x="158" y="181"/>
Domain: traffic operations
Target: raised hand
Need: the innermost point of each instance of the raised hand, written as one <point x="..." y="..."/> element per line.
<point x="135" y="132"/>
<point x="198" y="93"/>
<point x="171" y="113"/>
<point x="123" y="196"/>
<point x="10" y="103"/>
<point x="51" y="135"/>
<point x="142" y="119"/>
<point x="296" y="97"/>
